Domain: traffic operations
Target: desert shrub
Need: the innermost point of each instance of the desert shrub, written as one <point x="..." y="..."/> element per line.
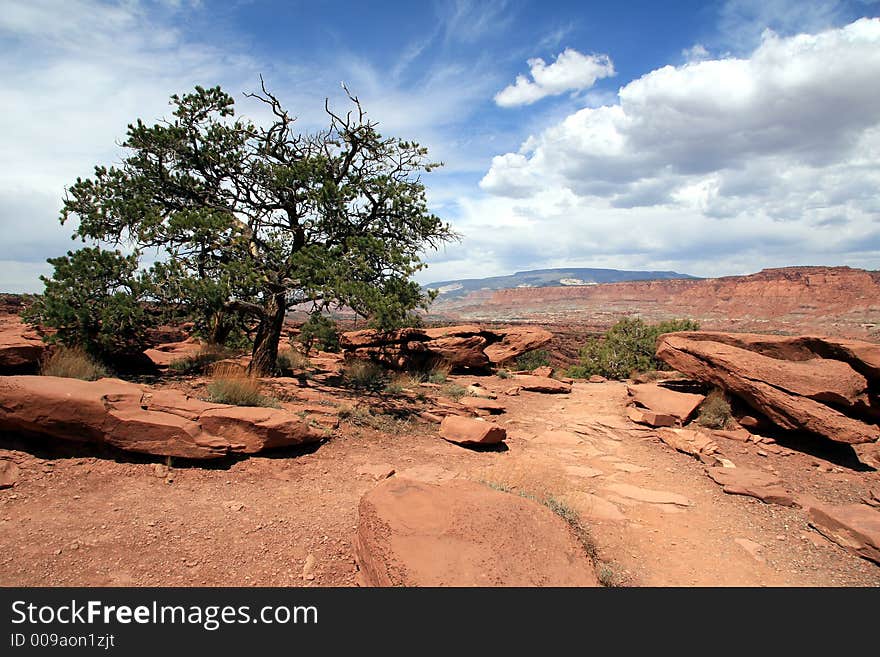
<point x="73" y="363"/>
<point x="319" y="332"/>
<point x="453" y="391"/>
<point x="291" y="359"/>
<point x="503" y="374"/>
<point x="533" y="359"/>
<point x="578" y="372"/>
<point x="364" y="375"/>
<point x="715" y="411"/>
<point x="439" y="372"/>
<point x="200" y="361"/>
<point x="232" y="385"/>
<point x="628" y="346"/>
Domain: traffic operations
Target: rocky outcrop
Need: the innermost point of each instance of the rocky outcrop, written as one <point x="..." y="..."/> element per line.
<point x="164" y="354"/>
<point x="460" y="346"/>
<point x="822" y="385"/>
<point x="21" y="348"/>
<point x="470" y="431"/>
<point x="680" y="405"/>
<point x="136" y="419"/>
<point x="695" y="443"/>
<point x="650" y="418"/>
<point x="461" y="533"/>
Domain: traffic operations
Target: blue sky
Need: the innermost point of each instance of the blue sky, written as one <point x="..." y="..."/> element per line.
<point x="711" y="138"/>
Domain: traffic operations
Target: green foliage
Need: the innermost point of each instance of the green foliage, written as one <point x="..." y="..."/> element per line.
<point x="95" y="301"/>
<point x="73" y="363"/>
<point x="253" y="219"/>
<point x="503" y="374"/>
<point x="319" y="332"/>
<point x="627" y="347"/>
<point x="533" y="359"/>
<point x="715" y="412"/>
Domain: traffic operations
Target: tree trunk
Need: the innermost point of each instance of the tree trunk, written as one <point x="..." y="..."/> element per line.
<point x="265" y="355"/>
<point x="220" y="328"/>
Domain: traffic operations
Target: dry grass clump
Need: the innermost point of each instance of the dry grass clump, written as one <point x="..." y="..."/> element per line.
<point x="290" y="360"/>
<point x="200" y="361"/>
<point x="231" y="384"/>
<point x="73" y="363"/>
<point x="364" y="374"/>
<point x="715" y="411"/>
<point x="439" y="372"/>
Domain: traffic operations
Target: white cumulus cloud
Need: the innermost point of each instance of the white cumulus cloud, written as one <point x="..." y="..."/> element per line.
<point x="571" y="71"/>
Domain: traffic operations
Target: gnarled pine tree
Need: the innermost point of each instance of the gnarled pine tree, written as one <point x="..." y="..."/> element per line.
<point x="255" y="219"/>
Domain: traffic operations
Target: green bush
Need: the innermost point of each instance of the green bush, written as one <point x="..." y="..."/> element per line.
<point x="533" y="359"/>
<point x="629" y="346"/>
<point x="319" y="332"/>
<point x="95" y="301"/>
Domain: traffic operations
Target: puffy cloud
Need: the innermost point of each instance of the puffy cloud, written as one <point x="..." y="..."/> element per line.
<point x="571" y="71"/>
<point x="769" y="158"/>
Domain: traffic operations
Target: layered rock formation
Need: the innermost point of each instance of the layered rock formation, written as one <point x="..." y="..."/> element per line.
<point x="459" y="346"/>
<point x="826" y="386"/>
<point x="834" y="300"/>
<point x="136" y="419"/>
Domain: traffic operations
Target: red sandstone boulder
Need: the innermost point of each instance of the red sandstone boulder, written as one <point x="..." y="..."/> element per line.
<point x="855" y="527"/>
<point x="650" y="418"/>
<point x="461" y="533"/>
<point x="470" y="431"/>
<point x="165" y="354"/>
<point x="541" y="384"/>
<point x="8" y="473"/>
<point x="21" y="348"/>
<point x="680" y="405"/>
<point x="137" y="419"/>
<point x="461" y="346"/>
<point x="826" y="396"/>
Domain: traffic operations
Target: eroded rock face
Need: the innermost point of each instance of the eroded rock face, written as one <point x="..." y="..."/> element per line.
<point x="821" y="385"/>
<point x="137" y="419"/>
<point x="462" y="533"/>
<point x="460" y="346"/>
<point x="21" y="348"/>
<point x="165" y="354"/>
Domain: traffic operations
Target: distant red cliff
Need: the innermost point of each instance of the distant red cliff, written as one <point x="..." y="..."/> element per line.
<point x="833" y="300"/>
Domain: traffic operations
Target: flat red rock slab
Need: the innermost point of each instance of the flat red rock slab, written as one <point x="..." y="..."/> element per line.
<point x="462" y="533"/>
<point x="753" y="483"/>
<point x="855" y="527"/>
<point x="680" y="405"/>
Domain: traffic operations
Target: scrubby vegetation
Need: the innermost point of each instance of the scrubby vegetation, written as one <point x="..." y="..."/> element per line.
<point x="291" y="360"/>
<point x="628" y="346"/>
<point x="364" y="375"/>
<point x="73" y="363"/>
<point x="199" y="362"/>
<point x="715" y="411"/>
<point x="233" y="385"/>
<point x="319" y="332"/>
<point x="533" y="359"/>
